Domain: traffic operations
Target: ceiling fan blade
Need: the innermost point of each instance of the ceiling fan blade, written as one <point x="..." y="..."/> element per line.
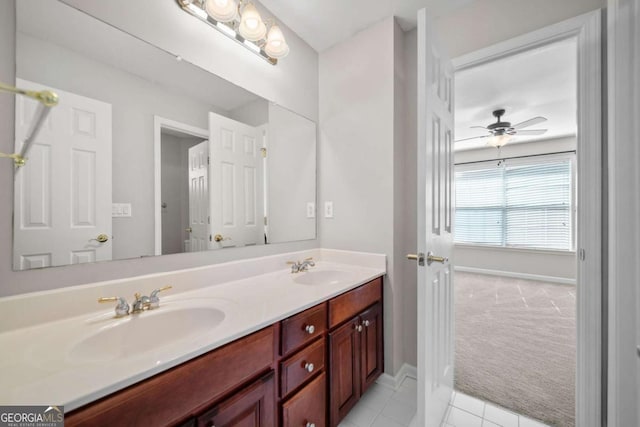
<point x="530" y="122"/>
<point x="478" y="127"/>
<point x="531" y="132"/>
<point x="474" y="137"/>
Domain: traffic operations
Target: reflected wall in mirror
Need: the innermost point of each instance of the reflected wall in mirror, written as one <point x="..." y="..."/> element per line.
<point x="152" y="152"/>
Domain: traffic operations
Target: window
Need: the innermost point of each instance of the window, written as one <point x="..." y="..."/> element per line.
<point x="524" y="203"/>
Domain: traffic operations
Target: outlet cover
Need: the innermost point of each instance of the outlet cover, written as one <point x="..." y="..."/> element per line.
<point x="328" y="209"/>
<point x="311" y="210"/>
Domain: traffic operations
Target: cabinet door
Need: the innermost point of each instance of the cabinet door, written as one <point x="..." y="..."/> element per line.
<point x="308" y="406"/>
<point x="371" y="349"/>
<point x="344" y="363"/>
<point x="253" y="406"/>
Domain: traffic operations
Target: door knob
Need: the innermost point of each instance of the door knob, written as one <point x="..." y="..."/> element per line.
<point x="417" y="257"/>
<point x="102" y="238"/>
<point x="189" y="230"/>
<point x="219" y="238"/>
<point x="432" y="258"/>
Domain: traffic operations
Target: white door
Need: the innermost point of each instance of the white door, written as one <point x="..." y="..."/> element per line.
<point x="198" y="228"/>
<point x="236" y="183"/>
<point x="435" y="226"/>
<point x="62" y="197"/>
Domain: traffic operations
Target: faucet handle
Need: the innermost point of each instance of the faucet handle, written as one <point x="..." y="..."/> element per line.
<point x="122" y="308"/>
<point x="154" y="300"/>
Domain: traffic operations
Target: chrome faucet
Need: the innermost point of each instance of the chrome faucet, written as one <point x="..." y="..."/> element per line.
<point x="143" y="303"/>
<point x="140" y="304"/>
<point x="298" y="266"/>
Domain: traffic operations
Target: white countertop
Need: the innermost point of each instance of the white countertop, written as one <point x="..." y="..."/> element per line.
<point x="39" y="363"/>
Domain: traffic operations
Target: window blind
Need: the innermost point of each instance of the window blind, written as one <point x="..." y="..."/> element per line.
<point x="523" y="204"/>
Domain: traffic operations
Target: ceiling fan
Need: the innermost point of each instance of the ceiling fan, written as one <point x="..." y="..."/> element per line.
<point x="501" y="132"/>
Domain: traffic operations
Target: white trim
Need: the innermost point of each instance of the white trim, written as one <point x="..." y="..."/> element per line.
<point x="160" y="123"/>
<point x="587" y="31"/>
<point x="623" y="364"/>
<point x="394" y="382"/>
<point x="516" y="275"/>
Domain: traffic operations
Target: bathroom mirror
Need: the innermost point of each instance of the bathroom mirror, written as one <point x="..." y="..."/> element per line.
<point x="147" y="154"/>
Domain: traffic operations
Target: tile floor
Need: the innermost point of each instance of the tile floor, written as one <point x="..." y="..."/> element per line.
<point x="382" y="406"/>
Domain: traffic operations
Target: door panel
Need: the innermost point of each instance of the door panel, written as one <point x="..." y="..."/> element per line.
<point x="371" y="347"/>
<point x="63" y="194"/>
<point x="344" y="362"/>
<point x="435" y="226"/>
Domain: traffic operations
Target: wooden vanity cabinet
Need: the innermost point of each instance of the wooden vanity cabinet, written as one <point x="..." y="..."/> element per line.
<point x="355" y="347"/>
<point x="265" y="379"/>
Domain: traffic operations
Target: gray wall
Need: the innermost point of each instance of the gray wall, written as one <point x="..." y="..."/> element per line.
<point x="357" y="159"/>
<point x="292" y="83"/>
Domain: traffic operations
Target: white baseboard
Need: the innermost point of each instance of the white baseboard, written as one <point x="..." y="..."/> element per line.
<point x="527" y="276"/>
<point x="394" y="382"/>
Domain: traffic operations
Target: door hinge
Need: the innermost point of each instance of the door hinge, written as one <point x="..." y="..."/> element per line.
<point x="582" y="254"/>
<point x="263" y="150"/>
<point x="208" y="160"/>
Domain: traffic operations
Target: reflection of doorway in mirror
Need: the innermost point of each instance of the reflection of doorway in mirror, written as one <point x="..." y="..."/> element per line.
<point x="62" y="200"/>
<point x="184" y="183"/>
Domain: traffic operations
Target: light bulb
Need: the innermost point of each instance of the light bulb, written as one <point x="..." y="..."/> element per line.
<point x="276" y="46"/>
<point x="222" y="10"/>
<point x="499" y="140"/>
<point x="251" y="26"/>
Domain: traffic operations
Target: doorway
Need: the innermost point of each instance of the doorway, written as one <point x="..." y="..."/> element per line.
<point x="587" y="32"/>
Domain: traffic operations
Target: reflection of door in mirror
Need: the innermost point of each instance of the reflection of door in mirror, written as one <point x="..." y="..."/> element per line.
<point x="184" y="184"/>
<point x="236" y="183"/>
<point x="198" y="198"/>
<point x="63" y="194"/>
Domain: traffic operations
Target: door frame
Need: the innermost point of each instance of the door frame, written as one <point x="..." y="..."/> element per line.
<point x="160" y="123"/>
<point x="586" y="29"/>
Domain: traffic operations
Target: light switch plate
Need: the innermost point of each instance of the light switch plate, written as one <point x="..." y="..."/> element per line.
<point x="328" y="209"/>
<point x="311" y="210"/>
<point x="121" y="210"/>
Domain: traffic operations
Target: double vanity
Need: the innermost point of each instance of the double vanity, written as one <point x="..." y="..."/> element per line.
<point x="246" y="341"/>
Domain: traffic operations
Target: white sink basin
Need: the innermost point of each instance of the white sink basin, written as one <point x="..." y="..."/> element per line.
<point x="323" y="277"/>
<point x="147" y="331"/>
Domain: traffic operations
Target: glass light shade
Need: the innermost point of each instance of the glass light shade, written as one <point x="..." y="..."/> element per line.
<point x="499" y="140"/>
<point x="276" y="46"/>
<point x="251" y="26"/>
<point x="222" y="10"/>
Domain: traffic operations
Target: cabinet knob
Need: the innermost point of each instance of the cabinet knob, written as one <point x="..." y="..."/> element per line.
<point x="310" y="425"/>
<point x="310" y="329"/>
<point x="366" y="323"/>
<point x="359" y="328"/>
<point x="308" y="367"/>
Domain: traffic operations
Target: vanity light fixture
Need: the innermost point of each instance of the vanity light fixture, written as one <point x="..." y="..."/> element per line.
<point x="241" y="21"/>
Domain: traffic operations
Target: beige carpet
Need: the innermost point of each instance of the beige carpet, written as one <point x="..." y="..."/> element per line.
<point x="516" y="345"/>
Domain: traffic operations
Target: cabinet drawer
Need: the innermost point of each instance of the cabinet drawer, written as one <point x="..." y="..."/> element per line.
<point x="308" y="406"/>
<point x="346" y="306"/>
<point x="303" y="327"/>
<point x="296" y="370"/>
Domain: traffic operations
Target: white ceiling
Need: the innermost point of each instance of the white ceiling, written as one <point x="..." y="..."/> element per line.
<point x="540" y="82"/>
<point x="323" y="23"/>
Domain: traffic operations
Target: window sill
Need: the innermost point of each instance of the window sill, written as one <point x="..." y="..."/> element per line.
<point x="514" y="249"/>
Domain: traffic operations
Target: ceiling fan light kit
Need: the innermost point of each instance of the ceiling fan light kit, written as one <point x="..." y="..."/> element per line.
<point x="501" y="132"/>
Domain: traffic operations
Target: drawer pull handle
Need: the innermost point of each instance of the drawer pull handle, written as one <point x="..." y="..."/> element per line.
<point x="358" y="328"/>
<point x="310" y="425"/>
<point x="366" y="323"/>
<point x="310" y="329"/>
<point x="308" y="367"/>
